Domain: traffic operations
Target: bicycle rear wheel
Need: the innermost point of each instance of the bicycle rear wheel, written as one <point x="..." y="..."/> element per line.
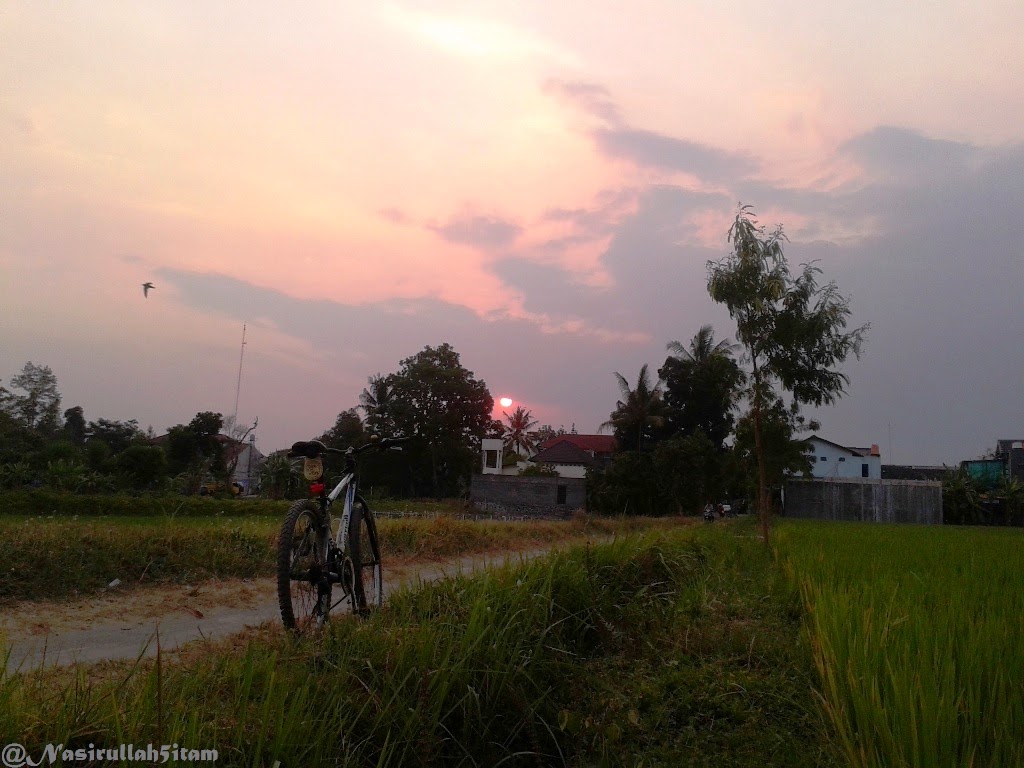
<point x="364" y="550"/>
<point x="303" y="583"/>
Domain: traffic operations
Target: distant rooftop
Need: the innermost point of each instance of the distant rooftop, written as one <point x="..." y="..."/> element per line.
<point x="598" y="444"/>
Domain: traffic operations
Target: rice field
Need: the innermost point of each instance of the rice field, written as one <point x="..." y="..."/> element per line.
<point x="918" y="638"/>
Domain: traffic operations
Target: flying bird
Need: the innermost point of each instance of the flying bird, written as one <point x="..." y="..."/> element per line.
<point x="145" y="289"/>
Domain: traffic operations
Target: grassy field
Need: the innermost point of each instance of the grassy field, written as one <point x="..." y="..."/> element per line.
<point x="848" y="644"/>
<point x="674" y="648"/>
<point x="56" y="557"/>
<point x="918" y="635"/>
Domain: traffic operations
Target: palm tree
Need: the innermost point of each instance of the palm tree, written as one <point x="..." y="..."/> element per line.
<point x="375" y="400"/>
<point x="640" y="410"/>
<point x="702" y="383"/>
<point x="702" y="347"/>
<point x="517" y="435"/>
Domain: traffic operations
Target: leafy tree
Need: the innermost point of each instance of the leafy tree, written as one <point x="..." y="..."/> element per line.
<point x="792" y="329"/>
<point x="1011" y="492"/>
<point x="98" y="456"/>
<point x="144" y="465"/>
<point x="117" y="435"/>
<point x="545" y="432"/>
<point x="639" y="413"/>
<point x="785" y="452"/>
<point x="690" y="472"/>
<point x="961" y="498"/>
<point x="74" y="425"/>
<point x="702" y="386"/>
<point x="448" y="410"/>
<point x="17" y="442"/>
<point x="628" y="485"/>
<point x="38" y="407"/>
<point x="278" y="476"/>
<point x="195" y="448"/>
<point x="348" y="431"/>
<point x="517" y="433"/>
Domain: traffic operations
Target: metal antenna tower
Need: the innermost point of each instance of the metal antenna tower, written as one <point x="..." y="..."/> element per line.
<point x="238" y="387"/>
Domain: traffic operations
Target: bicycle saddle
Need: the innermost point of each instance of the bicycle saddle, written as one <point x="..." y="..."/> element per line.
<point x="309" y="449"/>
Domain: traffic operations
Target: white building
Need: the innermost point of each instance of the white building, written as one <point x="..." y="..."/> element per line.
<point x="831" y="460"/>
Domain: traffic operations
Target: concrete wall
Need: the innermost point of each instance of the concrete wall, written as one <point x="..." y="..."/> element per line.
<point x="880" y="501"/>
<point x="513" y="495"/>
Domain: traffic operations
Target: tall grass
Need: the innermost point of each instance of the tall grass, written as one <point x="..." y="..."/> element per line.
<point x="60" y="558"/>
<point x="604" y="655"/>
<point x="918" y="636"/>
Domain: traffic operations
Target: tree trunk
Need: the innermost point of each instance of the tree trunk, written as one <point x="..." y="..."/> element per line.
<point x="763" y="508"/>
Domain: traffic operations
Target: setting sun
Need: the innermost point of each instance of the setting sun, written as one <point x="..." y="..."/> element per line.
<point x="505" y="402"/>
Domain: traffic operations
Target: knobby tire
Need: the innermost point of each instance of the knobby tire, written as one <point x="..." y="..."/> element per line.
<point x="364" y="549"/>
<point x="303" y="586"/>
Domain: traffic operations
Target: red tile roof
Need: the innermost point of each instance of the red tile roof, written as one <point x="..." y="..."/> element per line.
<point x="599" y="444"/>
<point x="564" y="452"/>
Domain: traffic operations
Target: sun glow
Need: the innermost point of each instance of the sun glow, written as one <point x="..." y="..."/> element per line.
<point x="505" y="402"/>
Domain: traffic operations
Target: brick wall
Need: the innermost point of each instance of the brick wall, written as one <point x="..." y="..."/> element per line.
<point x="537" y="496"/>
<point x="880" y="501"/>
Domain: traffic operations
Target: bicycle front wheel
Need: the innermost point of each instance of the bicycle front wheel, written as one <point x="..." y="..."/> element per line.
<point x="303" y="580"/>
<point x="364" y="550"/>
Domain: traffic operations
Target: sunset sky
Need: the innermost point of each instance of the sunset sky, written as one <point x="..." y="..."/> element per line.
<point x="539" y="184"/>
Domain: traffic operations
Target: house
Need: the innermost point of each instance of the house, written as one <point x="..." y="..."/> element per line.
<point x="832" y="460"/>
<point x="549" y="496"/>
<point x="1012" y="454"/>
<point x="569" y="455"/>
<point x="246" y="460"/>
<point x="243" y="458"/>
<point x="572" y="455"/>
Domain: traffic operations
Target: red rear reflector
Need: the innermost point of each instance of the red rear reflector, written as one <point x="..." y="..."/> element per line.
<point x="317" y="488"/>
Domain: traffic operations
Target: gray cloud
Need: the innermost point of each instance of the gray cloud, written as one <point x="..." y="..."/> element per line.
<point x="902" y="154"/>
<point x="548" y="289"/>
<point x="484" y="232"/>
<point x="656" y="150"/>
<point x="591" y="98"/>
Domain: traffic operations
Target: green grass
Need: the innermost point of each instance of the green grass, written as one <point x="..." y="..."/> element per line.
<point x="674" y="648"/>
<point x="918" y="638"/>
<point x="65" y="557"/>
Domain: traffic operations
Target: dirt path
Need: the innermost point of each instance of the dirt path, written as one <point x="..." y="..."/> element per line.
<point x="123" y="625"/>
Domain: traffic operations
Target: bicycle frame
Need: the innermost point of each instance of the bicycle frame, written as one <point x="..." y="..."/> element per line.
<point x="349" y="482"/>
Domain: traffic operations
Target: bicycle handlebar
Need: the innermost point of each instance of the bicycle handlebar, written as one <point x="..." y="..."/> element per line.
<point x="312" y="449"/>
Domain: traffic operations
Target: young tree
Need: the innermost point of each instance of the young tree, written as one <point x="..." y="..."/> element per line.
<point x="702" y="386"/>
<point x="792" y="329"/>
<point x="639" y="413"/>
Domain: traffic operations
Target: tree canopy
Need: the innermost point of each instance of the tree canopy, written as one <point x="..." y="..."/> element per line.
<point x="517" y="432"/>
<point x="639" y="413"/>
<point x="702" y="384"/>
<point x="447" y="409"/>
<point x="37" y="406"/>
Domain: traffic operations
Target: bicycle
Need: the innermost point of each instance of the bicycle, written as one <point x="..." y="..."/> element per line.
<point x="312" y="558"/>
